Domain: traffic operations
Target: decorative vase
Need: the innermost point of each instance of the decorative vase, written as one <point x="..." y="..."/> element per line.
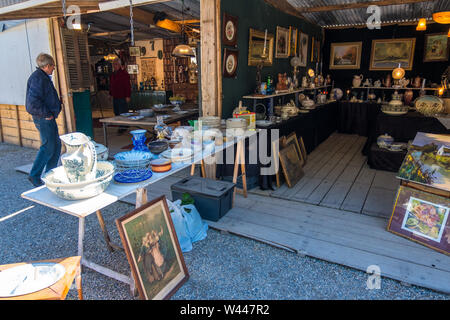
<point x="388" y="81"/>
<point x="80" y="160"/>
<point x="139" y="140"/>
<point x="384" y="140"/>
<point x="408" y="96"/>
<point x="417" y="82"/>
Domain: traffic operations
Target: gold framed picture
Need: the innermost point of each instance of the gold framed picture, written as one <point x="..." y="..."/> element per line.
<point x="153" y="251"/>
<point x="293" y="37"/>
<point x="256" y="47"/>
<point x="345" y="55"/>
<point x="135" y="51"/>
<point x="437" y="46"/>
<point x="390" y="53"/>
<point x="303" y="49"/>
<point x="282" y="43"/>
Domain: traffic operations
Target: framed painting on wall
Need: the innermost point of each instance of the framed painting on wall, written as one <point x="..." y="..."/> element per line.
<point x="282" y="43"/>
<point x="230" y="62"/>
<point x="135" y="51"/>
<point x="303" y="49"/>
<point x="437" y="47"/>
<point x="229" y="30"/>
<point x="389" y="54"/>
<point x="422" y="217"/>
<point x="256" y="48"/>
<point x="293" y="36"/>
<point x="345" y="55"/>
<point x="153" y="250"/>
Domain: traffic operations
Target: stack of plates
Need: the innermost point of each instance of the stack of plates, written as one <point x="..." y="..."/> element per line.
<point x="132" y="166"/>
<point x="178" y="154"/>
<point x="237" y="123"/>
<point x="210" y="122"/>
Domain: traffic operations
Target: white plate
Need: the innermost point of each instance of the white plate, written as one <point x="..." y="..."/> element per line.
<point x="29" y="278"/>
<point x="177" y="154"/>
<point x="127" y="114"/>
<point x="136" y="118"/>
<point x="395" y="113"/>
<point x="263" y="123"/>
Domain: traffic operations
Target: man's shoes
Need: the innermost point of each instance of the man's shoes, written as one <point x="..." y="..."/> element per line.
<point x="35" y="182"/>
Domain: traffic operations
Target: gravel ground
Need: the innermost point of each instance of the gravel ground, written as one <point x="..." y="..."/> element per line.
<point x="223" y="266"/>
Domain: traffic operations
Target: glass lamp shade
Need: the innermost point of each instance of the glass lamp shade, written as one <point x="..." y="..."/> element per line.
<point x="311" y="73"/>
<point x="422" y="25"/>
<point x="442" y="17"/>
<point x="398" y="73"/>
<point x="183" y="51"/>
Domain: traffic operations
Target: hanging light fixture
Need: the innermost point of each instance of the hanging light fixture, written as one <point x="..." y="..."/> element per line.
<point x="448" y="34"/>
<point x="183" y="50"/>
<point x="442" y="17"/>
<point x="422" y="25"/>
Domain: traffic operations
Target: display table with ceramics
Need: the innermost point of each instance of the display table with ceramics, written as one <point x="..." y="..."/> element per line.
<point x="113" y="193"/>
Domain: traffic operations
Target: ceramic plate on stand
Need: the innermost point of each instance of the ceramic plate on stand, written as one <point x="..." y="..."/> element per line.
<point x="395" y="113"/>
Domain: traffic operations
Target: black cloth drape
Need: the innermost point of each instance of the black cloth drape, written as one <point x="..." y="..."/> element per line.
<point x="357" y="117"/>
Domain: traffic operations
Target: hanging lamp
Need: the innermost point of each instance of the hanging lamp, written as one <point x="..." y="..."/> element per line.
<point x="422" y="25"/>
<point x="442" y="17"/>
<point x="183" y="50"/>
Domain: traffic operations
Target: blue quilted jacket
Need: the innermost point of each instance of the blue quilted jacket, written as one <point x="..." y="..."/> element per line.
<point x="42" y="100"/>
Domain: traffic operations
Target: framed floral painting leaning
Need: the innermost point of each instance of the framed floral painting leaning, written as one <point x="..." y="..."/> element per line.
<point x="422" y="217"/>
<point x="153" y="250"/>
<point x="437" y="47"/>
<point x="282" y="43"/>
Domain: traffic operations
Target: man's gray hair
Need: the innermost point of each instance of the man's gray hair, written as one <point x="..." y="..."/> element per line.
<point x="44" y="59"/>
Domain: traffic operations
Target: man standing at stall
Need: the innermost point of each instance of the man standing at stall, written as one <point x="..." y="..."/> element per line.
<point x="120" y="89"/>
<point x="43" y="103"/>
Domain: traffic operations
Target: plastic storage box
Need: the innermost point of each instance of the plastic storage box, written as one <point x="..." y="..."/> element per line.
<point x="213" y="199"/>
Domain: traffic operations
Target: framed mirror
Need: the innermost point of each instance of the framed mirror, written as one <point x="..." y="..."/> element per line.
<point x="256" y="47"/>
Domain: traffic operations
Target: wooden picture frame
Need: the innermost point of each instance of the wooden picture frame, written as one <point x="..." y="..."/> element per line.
<point x="153" y="251"/>
<point x="256" y="48"/>
<point x="292" y="139"/>
<point x="303" y="49"/>
<point x="345" y="55"/>
<point x="436" y="47"/>
<point x="135" y="51"/>
<point x="282" y="43"/>
<point x="229" y="30"/>
<point x="293" y="37"/>
<point x="387" y="54"/>
<point x="303" y="149"/>
<point x="291" y="165"/>
<point x="230" y="62"/>
<point x="422" y="217"/>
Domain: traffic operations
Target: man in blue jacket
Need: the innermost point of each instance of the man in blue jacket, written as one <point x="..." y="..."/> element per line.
<point x="43" y="103"/>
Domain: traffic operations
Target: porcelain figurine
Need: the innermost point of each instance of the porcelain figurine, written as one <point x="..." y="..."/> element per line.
<point x="357" y="80"/>
<point x="328" y="80"/>
<point x="377" y="84"/>
<point x="417" y="82"/>
<point x="80" y="159"/>
<point x="305" y="83"/>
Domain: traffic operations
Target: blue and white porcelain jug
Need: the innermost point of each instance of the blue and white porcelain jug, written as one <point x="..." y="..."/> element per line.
<point x="80" y="159"/>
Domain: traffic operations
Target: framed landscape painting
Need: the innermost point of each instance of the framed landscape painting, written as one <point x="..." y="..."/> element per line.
<point x="428" y="161"/>
<point x="436" y="47"/>
<point x="345" y="55"/>
<point x="303" y="49"/>
<point x="282" y="43"/>
<point x="153" y="250"/>
<point x="422" y="217"/>
<point x="389" y="54"/>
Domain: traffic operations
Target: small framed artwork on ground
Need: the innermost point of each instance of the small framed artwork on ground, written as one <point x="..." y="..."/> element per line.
<point x="291" y="165"/>
<point x="436" y="47"/>
<point x="282" y="43"/>
<point x="345" y="55"/>
<point x="292" y="139"/>
<point x="422" y="217"/>
<point x="153" y="250"/>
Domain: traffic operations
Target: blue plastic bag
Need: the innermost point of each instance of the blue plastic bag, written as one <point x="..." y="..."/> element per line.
<point x="196" y="228"/>
<point x="180" y="226"/>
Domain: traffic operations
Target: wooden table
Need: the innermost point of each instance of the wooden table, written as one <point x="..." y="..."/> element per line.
<point x="83" y="208"/>
<point x="59" y="290"/>
<point x="146" y="121"/>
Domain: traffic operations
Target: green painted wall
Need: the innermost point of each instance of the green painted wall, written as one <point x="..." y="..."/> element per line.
<point x="259" y="15"/>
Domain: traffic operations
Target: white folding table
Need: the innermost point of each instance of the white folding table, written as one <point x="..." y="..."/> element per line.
<point x="83" y="208"/>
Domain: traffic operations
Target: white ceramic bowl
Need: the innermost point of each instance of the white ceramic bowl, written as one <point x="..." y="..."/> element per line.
<point x="55" y="181"/>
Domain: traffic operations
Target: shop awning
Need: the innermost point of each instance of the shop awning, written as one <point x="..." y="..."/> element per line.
<point x="33" y="9"/>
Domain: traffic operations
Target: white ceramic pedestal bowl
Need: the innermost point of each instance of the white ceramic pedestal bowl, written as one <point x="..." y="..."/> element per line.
<point x="57" y="182"/>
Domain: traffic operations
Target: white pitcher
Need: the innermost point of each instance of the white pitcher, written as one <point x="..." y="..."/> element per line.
<point x="80" y="160"/>
<point x="357" y="80"/>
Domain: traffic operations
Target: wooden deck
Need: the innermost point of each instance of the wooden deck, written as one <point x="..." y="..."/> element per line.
<point x="338" y="212"/>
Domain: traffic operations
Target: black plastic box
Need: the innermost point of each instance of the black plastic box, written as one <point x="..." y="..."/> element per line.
<point x="213" y="199"/>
